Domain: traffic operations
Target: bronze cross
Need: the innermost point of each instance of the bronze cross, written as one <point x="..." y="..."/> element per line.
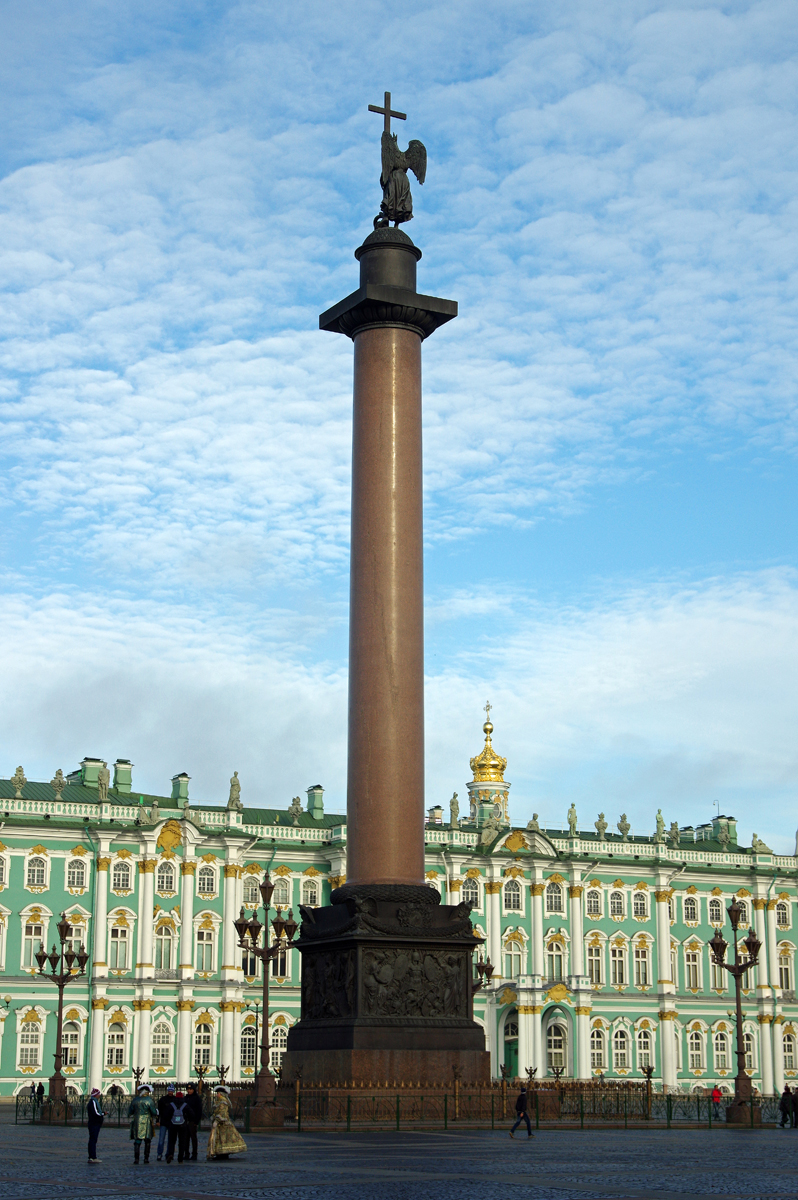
<point x="488" y="707"/>
<point x="388" y="112"/>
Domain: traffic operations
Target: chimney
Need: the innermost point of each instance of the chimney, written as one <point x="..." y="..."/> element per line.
<point x="180" y="789"/>
<point x="316" y="801"/>
<point x="123" y="775"/>
<point x="89" y="770"/>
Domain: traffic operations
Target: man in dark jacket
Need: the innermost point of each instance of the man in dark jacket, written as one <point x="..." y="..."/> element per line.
<point x="785" y="1108"/>
<point x="178" y="1128"/>
<point x="40" y="1093"/>
<point x="94" y="1120"/>
<point x="523" y="1115"/>
<point x="193" y="1117"/>
<point x="164" y="1118"/>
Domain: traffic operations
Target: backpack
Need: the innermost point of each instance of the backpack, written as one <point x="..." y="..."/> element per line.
<point x="177" y="1113"/>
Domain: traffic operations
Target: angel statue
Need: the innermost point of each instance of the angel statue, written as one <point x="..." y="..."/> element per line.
<point x="397" y="203"/>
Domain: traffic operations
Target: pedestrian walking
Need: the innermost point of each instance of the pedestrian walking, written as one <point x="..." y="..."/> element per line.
<point x="143" y="1114"/>
<point x="40" y="1092"/>
<point x="794" y="1098"/>
<point x="785" y="1108"/>
<point x="523" y="1115"/>
<point x="94" y="1120"/>
<point x="193" y="1118"/>
<point x="164" y="1115"/>
<point x="178" y="1129"/>
<point x="224" y="1138"/>
<point x="716" y="1099"/>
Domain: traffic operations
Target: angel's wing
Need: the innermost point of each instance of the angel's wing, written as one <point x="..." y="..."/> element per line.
<point x="390" y="153"/>
<point x="416" y="159"/>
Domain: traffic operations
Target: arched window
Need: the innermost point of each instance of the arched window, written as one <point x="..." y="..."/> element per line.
<point x="161" y="1042"/>
<point x="203" y="1041"/>
<point x="748" y="1045"/>
<point x="721" y="1052"/>
<point x="716" y="912"/>
<point x="789" y="1052"/>
<point x="785" y="970"/>
<point x="310" y="893"/>
<point x="120" y="940"/>
<point x="76" y="873"/>
<point x="554" y="961"/>
<point x="512" y="960"/>
<point x="279" y="1045"/>
<point x="620" y="1050"/>
<point x="70" y="1044"/>
<point x="644" y="1048"/>
<point x="512" y="895"/>
<point x="782" y="915"/>
<point x="743" y="912"/>
<point x="165" y="879"/>
<point x="206" y="881"/>
<point x="471" y="893"/>
<point x="37" y="872"/>
<point x="597" y="1060"/>
<point x="281" y="895"/>
<point x="163" y="948"/>
<point x="616" y="904"/>
<point x="639" y="904"/>
<point x="29" y="1043"/>
<point x="690" y="909"/>
<point x="553" y="898"/>
<point x="594" y="904"/>
<point x="121" y="877"/>
<point x="117" y="1037"/>
<point x="555" y="1046"/>
<point x="248" y="1047"/>
<point x="204" y="950"/>
<point x="34" y="932"/>
<point x="695" y="1049"/>
<point x="251" y="894"/>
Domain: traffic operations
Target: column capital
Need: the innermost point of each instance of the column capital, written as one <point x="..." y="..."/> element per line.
<point x="455" y="885"/>
<point x="582" y="1010"/>
<point x="185" y="1005"/>
<point x="575" y="890"/>
<point x="759" y="903"/>
<point x="103" y="863"/>
<point x="667" y="1015"/>
<point x="493" y="886"/>
<point x="188" y="868"/>
<point x="663" y="895"/>
<point x="537" y="889"/>
<point x="147" y="866"/>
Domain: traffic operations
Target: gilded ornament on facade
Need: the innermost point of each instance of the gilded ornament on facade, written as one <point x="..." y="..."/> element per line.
<point x="537" y="889"/>
<point x="473" y="873"/>
<point x="282" y="870"/>
<point x="508" y="996"/>
<point x="516" y="841"/>
<point x="488" y="766"/>
<point x="493" y="887"/>
<point x="171" y="835"/>
<point x="557" y="993"/>
<point x="185" y="1005"/>
<point x="253" y="869"/>
<point x="147" y="866"/>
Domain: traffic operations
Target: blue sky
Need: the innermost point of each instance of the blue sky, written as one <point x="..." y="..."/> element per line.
<point x="610" y="424"/>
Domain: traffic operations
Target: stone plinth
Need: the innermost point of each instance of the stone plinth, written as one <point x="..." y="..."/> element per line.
<point x="266" y="1116"/>
<point x="740" y="1114"/>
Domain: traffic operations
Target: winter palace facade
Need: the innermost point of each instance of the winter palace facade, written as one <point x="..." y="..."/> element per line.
<point x="598" y="939"/>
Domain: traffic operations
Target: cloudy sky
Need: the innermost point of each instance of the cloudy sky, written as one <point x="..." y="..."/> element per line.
<point x="611" y="423"/>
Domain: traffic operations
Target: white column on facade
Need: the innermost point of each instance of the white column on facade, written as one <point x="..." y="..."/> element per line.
<point x="100" y="964"/>
<point x="667" y="1046"/>
<point x="144" y="963"/>
<point x="183" y="1054"/>
<point x="229" y="938"/>
<point x="237" y="1018"/>
<point x="582" y="1056"/>
<point x="98" y="1005"/>
<point x="227" y="1041"/>
<point x="493" y="914"/>
<point x="141" y="1033"/>
<point x="538" y="1057"/>
<point x="577" y="935"/>
<point x="188" y="870"/>
<point x="777" y="1038"/>
<point x="536" y="893"/>
<point x="772" y="942"/>
<point x="766" y="1053"/>
<point x="663" y="941"/>
<point x="524" y="1038"/>
<point x="764" y="969"/>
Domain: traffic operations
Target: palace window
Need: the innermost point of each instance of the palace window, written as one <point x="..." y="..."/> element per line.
<point x="639" y="904"/>
<point x="674" y="968"/>
<point x="512" y="895"/>
<point x="163" y="948"/>
<point x="29" y="1043"/>
<point x="644" y="1049"/>
<point x="251" y="893"/>
<point x="115" y="1056"/>
<point x="310" y="893"/>
<point x="249" y="963"/>
<point x="119" y="949"/>
<point x="121" y="877"/>
<point x="553" y="898"/>
<point x="597" y="1061"/>
<point x="203" y="1037"/>
<point x="594" y="904"/>
<point x="204" y="950"/>
<point x="279" y="1045"/>
<point x="721" y="1052"/>
<point x="620" y="1050"/>
<point x="554" y="961"/>
<point x="743" y="912"/>
<point x="512" y="960"/>
<point x="471" y="892"/>
<point x="617" y="966"/>
<point x="782" y="915"/>
<point x="695" y="1050"/>
<point x="789" y="1052"/>
<point x="555" y="1044"/>
<point x="691" y="970"/>
<point x="206" y="881"/>
<point x="670" y="908"/>
<point x="718" y="977"/>
<point x="616" y="904"/>
<point x="594" y="964"/>
<point x="716" y="912"/>
<point x="161" y="1041"/>
<point x="785" y="971"/>
<point x="30" y="944"/>
<point x="642" y="975"/>
<point x="248" y="1046"/>
<point x="690" y="909"/>
<point x="70" y="1044"/>
<point x="76" y="873"/>
<point x="37" y="872"/>
<point x="2" y="871"/>
<point x="280" y="965"/>
<point x="165" y="879"/>
<point x="748" y="1044"/>
<point x="282" y="893"/>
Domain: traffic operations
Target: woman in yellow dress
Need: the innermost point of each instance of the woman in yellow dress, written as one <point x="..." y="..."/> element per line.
<point x="224" y="1137"/>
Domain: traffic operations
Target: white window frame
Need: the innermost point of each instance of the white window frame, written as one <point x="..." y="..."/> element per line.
<point x="554" y="889"/>
<point x="71" y="864"/>
<point x="278" y="1044"/>
<point x="598" y="1050"/>
<point x="205" y="939"/>
<point x="619" y="971"/>
<point x="249" y="1034"/>
<point x="515" y="952"/>
<point x="159" y="888"/>
<point x="254" y="900"/>
<point x="593" y="900"/>
<point x="308" y="886"/>
<point x="696" y="1050"/>
<point x="281" y="883"/>
<point x="201" y="1049"/>
<point x="24" y="1029"/>
<point x="67" y="1046"/>
<point x="718" y="921"/>
<point x="555" y="952"/>
<point x="469" y="884"/>
<point x="203" y="870"/>
<point x="745" y="915"/>
<point x="163" y="1049"/>
<point x="617" y="904"/>
<point x="37" y="888"/>
<point x="722" y="1058"/>
<point x="642" y="959"/>
<point x="786" y="975"/>
<point x="749" y="1038"/>
<point x="692" y="901"/>
<point x="163" y="934"/>
<point x="645" y="1053"/>
<point x="640" y="900"/>
<point x="41" y="921"/>
<point x="119" y="864"/>
<point x="620" y="1050"/>
<point x="692" y="970"/>
<point x="788" y="1050"/>
<point x="512" y="888"/>
<point x="595" y="956"/>
<point x="783" y="904"/>
<point x="112" y="1032"/>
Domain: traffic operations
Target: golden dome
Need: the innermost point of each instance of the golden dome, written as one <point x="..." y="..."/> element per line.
<point x="488" y="766"/>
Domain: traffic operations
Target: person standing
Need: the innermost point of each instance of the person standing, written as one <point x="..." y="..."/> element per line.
<point x="40" y="1092"/>
<point x="143" y="1114"/>
<point x="523" y="1115"/>
<point x="716" y="1099"/>
<point x="794" y="1099"/>
<point x="164" y="1114"/>
<point x="193" y="1118"/>
<point x="785" y="1108"/>
<point x="178" y="1128"/>
<point x="94" y="1120"/>
<point x="224" y="1137"/>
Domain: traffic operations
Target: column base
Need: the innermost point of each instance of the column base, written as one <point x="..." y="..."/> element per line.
<point x="384" y="1068"/>
<point x="740" y="1114"/>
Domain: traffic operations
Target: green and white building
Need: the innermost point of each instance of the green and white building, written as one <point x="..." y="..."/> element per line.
<point x="599" y="939"/>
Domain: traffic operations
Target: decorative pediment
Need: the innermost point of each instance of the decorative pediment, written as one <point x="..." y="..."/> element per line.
<point x="716" y="891"/>
<point x="253" y="869"/>
<point x="557" y="993"/>
<point x="691" y="890"/>
<point x="79" y="851"/>
<point x="617" y="883"/>
<point x="473" y="873"/>
<point x="39" y="850"/>
<point x="743" y="892"/>
<point x="555" y="878"/>
<point x="312" y="871"/>
<point x="641" y="886"/>
<point x="282" y="870"/>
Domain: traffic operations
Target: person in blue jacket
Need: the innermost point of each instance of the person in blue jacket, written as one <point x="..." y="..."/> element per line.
<point x="95" y="1117"/>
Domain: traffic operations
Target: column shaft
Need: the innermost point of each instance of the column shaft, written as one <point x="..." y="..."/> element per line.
<point x="142" y="1037"/>
<point x="766" y="1055"/>
<point x="583" y="1042"/>
<point x="577" y="937"/>
<point x="231" y="968"/>
<point x="536" y="890"/>
<point x="187" y="870"/>
<point x="96" y="1048"/>
<point x="668" y="1051"/>
<point x="777" y="1038"/>
<point x="100" y="964"/>
<point x="772" y="943"/>
<point x="144" y="963"/>
<point x="227" y="1051"/>
<point x="493" y="912"/>
<point x="184" y="1037"/>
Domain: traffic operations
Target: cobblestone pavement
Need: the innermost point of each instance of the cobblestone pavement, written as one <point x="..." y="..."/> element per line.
<point x="40" y="1163"/>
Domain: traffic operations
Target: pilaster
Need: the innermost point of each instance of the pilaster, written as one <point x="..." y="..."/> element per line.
<point x="183" y="1054"/>
<point x="144" y="938"/>
<point x="766" y="1052"/>
<point x="188" y="870"/>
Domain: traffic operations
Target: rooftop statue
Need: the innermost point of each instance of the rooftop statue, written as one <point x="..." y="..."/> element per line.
<point x="572" y="821"/>
<point x="397" y="202"/>
<point x="623" y="828"/>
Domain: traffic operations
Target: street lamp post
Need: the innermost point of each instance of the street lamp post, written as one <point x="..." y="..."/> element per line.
<point x="249" y="931"/>
<point x="62" y="972"/>
<point x="737" y="1112"/>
